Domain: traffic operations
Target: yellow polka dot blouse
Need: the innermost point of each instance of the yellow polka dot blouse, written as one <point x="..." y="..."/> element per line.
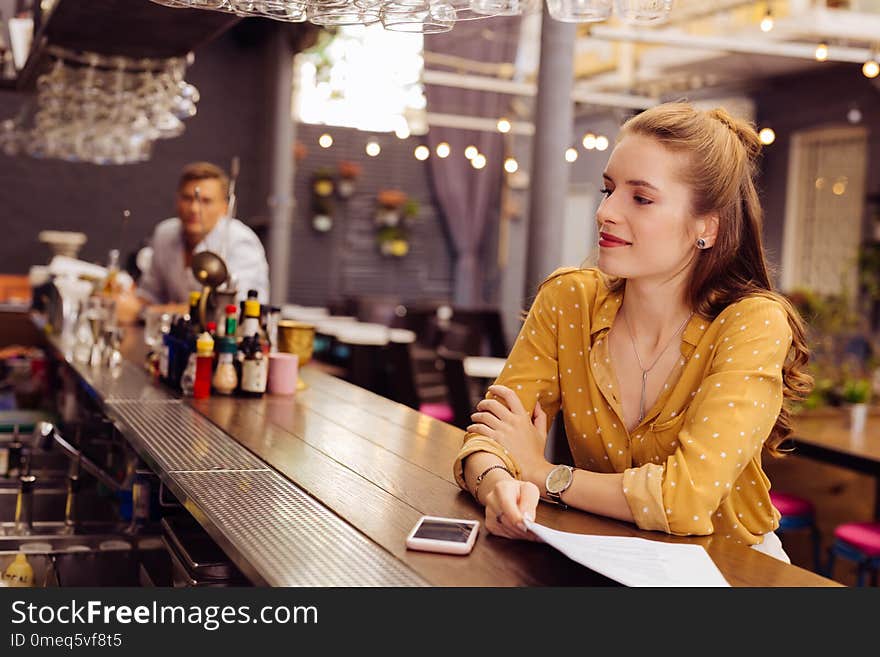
<point x="693" y="465"/>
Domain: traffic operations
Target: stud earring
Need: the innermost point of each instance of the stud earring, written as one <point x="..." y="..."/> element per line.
<point x="701" y="243"/>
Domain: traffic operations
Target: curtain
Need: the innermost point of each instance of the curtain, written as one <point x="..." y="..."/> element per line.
<point x="469" y="198"/>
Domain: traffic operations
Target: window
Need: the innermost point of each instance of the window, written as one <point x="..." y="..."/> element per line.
<point x="823" y="210"/>
<point x="362" y="77"/>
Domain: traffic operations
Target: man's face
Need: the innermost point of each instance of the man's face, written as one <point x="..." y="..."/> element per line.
<point x="196" y="223"/>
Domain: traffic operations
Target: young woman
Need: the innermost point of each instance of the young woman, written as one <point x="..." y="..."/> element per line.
<point x="670" y="361"/>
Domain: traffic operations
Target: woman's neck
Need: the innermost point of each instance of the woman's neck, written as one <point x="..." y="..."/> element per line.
<point x="655" y="310"/>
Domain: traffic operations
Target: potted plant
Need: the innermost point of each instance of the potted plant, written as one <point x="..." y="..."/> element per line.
<point x="322" y="200"/>
<point x="389" y="203"/>
<point x="348" y="174"/>
<point x="394" y="211"/>
<point x="856" y="392"/>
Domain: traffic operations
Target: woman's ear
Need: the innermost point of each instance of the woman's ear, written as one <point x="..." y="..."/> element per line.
<point x="707" y="229"/>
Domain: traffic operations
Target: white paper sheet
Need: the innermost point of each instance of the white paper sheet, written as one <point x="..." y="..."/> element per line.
<point x="636" y="561"/>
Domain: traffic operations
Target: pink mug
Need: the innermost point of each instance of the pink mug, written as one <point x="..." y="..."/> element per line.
<point x="283" y="372"/>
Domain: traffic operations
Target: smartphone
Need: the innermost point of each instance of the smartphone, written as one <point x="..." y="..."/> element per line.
<point x="447" y="535"/>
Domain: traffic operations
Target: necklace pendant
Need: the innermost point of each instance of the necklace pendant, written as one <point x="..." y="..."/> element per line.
<point x="644" y="394"/>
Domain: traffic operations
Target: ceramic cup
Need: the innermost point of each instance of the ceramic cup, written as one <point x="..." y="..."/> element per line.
<point x="283" y="371"/>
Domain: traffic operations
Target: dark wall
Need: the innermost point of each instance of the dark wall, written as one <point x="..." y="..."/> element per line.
<point x="231" y="75"/>
<point x="809" y="101"/>
<point x="346" y="261"/>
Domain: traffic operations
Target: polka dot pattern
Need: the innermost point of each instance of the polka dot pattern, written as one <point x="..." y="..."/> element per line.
<point x="679" y="476"/>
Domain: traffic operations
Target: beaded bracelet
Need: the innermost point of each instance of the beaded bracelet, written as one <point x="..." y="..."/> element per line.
<point x="483" y="474"/>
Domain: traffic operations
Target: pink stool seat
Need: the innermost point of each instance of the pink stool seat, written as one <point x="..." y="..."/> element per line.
<point x="441" y="412"/>
<point x="865" y="536"/>
<point x="791" y="505"/>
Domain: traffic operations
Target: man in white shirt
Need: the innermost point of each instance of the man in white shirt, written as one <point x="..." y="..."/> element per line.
<point x="201" y="224"/>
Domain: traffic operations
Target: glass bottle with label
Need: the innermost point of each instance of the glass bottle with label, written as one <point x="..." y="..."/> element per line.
<point x="254" y="368"/>
<point x="225" y="377"/>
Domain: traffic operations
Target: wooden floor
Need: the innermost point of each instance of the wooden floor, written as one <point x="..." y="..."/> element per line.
<point x="840" y="496"/>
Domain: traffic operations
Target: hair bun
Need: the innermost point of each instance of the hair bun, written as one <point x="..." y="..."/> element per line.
<point x="744" y="131"/>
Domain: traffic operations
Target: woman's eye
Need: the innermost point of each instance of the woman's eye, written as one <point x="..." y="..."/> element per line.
<point x="641" y="200"/>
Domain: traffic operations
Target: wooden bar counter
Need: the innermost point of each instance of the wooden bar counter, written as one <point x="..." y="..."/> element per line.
<point x="368" y="468"/>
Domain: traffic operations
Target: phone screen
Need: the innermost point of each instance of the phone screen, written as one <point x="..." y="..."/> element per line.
<point x="440" y="530"/>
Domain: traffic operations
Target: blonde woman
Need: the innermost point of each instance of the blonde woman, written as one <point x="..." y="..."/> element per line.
<point x="670" y="361"/>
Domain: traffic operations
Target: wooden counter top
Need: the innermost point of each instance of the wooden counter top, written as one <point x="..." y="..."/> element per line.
<point x="379" y="465"/>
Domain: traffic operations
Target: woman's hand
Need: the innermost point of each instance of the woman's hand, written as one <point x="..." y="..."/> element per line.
<point x="521" y="433"/>
<point x="508" y="504"/>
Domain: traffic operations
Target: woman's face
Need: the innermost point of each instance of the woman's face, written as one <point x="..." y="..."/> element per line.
<point x="646" y="226"/>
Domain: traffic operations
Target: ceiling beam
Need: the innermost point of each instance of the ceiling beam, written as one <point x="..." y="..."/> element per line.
<point x="737" y="44"/>
<point x="484" y="83"/>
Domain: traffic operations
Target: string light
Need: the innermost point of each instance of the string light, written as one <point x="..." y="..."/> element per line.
<point x="422" y="152"/>
<point x="503" y="125"/>
<point x="767" y="136"/>
<point x="871" y="68"/>
<point x="325" y="141"/>
<point x="511" y="165"/>
<point x="571" y="155"/>
<point x="471" y="152"/>
<point x="589" y="141"/>
<point x="402" y="131"/>
<point x="767" y="21"/>
<point x="373" y="148"/>
<point x="822" y="52"/>
<point x="479" y="161"/>
<point x="443" y="150"/>
<point x="601" y="143"/>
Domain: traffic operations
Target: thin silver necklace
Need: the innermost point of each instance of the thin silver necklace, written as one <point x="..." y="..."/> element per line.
<point x="648" y="369"/>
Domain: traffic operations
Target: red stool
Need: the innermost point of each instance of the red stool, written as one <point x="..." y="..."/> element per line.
<point x="798" y="513"/>
<point x="860" y="542"/>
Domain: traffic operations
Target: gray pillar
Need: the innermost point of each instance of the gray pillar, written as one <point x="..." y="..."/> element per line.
<point x="281" y="148"/>
<point x="553" y="134"/>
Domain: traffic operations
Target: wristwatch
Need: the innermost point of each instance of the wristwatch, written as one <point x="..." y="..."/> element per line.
<point x="558" y="481"/>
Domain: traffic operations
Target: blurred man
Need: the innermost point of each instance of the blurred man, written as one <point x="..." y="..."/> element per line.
<point x="201" y="224"/>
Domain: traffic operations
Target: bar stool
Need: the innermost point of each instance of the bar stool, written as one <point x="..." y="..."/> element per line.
<point x="798" y="513"/>
<point x="859" y="542"/>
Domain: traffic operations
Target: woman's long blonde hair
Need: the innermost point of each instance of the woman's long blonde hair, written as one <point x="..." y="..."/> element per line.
<point x="723" y="154"/>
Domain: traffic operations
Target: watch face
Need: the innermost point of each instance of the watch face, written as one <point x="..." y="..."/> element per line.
<point x="559" y="479"/>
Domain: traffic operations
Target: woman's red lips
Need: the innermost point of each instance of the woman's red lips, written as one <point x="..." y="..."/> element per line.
<point x="606" y="239"/>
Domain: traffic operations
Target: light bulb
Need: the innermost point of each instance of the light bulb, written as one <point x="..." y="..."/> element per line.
<point x="571" y="155"/>
<point x="479" y="161"/>
<point x="822" y="52"/>
<point x="589" y="141"/>
<point x="767" y="21"/>
<point x="443" y="150"/>
<point x="325" y="141"/>
<point x="767" y="136"/>
<point x="471" y="152"/>
<point x="503" y="125"/>
<point x="871" y="68"/>
<point x="373" y="148"/>
<point x="422" y="152"/>
<point x="402" y="132"/>
<point x="601" y="143"/>
<point x="511" y="165"/>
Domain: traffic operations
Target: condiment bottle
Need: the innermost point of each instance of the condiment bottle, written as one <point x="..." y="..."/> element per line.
<point x="204" y="366"/>
<point x="194" y="298"/>
<point x="19" y="572"/>
<point x="254" y="368"/>
<point x="225" y="377"/>
<point x="231" y="320"/>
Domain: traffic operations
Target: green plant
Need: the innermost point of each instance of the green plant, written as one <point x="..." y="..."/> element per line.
<point x="856" y="391"/>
